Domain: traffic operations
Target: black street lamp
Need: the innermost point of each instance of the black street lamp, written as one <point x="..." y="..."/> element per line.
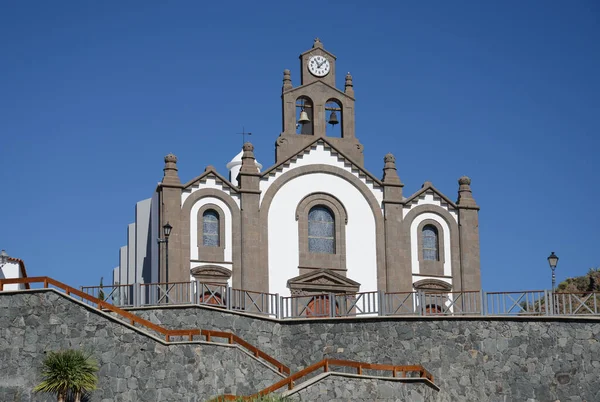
<point x="166" y="232"/>
<point x="553" y="261"/>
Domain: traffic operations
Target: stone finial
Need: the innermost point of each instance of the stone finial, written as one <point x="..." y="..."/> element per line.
<point x="248" y="147"/>
<point x="390" y="175"/>
<point x="464" y="180"/>
<point x="465" y="195"/>
<point x="248" y="160"/>
<point x="427" y="184"/>
<point x="170" y="158"/>
<point x="318" y="43"/>
<point x="170" y="170"/>
<point x="209" y="167"/>
<point x="349" y="87"/>
<point x="287" y="80"/>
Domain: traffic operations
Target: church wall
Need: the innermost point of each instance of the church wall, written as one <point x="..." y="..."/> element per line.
<point x="131" y="253"/>
<point x="123" y="265"/>
<point x="471" y="358"/>
<point x="429" y="199"/>
<point x="209" y="183"/>
<point x="319" y="154"/>
<point x="155" y="233"/>
<point x="142" y="246"/>
<point x="283" y="245"/>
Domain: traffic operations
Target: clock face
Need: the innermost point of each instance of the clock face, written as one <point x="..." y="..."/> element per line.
<point x="318" y="66"/>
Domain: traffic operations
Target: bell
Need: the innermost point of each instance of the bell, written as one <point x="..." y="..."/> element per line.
<point x="333" y="118"/>
<point x="303" y="117"/>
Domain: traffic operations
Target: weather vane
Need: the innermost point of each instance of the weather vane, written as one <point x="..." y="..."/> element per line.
<point x="244" y="134"/>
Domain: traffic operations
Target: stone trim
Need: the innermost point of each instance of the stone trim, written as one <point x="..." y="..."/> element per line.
<point x="335" y="171"/>
<point x="454" y="237"/>
<point x="210" y="253"/>
<point x="310" y="260"/>
<point x="236" y="228"/>
<point x="430" y="267"/>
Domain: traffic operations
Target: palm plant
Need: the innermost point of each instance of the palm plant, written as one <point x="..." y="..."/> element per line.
<point x="68" y="371"/>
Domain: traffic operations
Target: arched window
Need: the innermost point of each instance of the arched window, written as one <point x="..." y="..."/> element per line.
<point x="321" y="230"/>
<point x="430" y="243"/>
<point x="210" y="228"/>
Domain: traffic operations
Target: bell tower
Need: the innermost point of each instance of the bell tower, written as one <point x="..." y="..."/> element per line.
<point x="317" y="108"/>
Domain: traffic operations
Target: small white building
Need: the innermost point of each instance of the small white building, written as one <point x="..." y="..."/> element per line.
<point x="11" y="268"/>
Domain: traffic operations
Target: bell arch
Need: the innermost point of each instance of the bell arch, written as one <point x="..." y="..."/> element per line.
<point x="305" y="122"/>
<point x="334" y="118"/>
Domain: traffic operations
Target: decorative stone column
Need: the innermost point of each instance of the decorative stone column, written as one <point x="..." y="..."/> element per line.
<point x="468" y="227"/>
<point x="254" y="274"/>
<point x="170" y="211"/>
<point x="397" y="244"/>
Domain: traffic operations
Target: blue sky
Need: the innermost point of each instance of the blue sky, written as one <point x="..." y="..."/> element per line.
<point x="94" y="94"/>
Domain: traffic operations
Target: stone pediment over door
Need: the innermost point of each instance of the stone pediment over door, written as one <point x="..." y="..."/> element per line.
<point x="321" y="281"/>
<point x="211" y="274"/>
<point x="433" y="285"/>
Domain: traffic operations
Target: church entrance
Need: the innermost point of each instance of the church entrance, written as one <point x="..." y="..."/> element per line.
<point x="320" y="306"/>
<point x="213" y="299"/>
<point x="433" y="309"/>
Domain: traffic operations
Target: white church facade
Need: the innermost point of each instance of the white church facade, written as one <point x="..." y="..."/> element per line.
<point x="316" y="221"/>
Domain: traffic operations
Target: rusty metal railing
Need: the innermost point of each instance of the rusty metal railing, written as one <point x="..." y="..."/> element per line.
<point x="377" y="303"/>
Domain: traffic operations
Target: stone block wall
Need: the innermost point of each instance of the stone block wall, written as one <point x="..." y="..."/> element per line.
<point x="133" y="366"/>
<point x="472" y="359"/>
<point x="337" y="388"/>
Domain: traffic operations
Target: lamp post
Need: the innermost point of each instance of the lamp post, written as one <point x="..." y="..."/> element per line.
<point x="166" y="232"/>
<point x="553" y="261"/>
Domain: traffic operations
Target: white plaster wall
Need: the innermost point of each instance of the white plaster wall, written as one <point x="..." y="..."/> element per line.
<point x="194" y="227"/>
<point x="154" y="234"/>
<point x="123" y="265"/>
<point x="131" y="253"/>
<point x="429" y="198"/>
<point x="142" y="227"/>
<point x="414" y="246"/>
<point x="361" y="255"/>
<point x="11" y="270"/>
<point x="210" y="182"/>
<point x="320" y="154"/>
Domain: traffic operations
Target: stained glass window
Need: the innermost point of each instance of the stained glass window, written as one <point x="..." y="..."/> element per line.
<point x="321" y="230"/>
<point x="430" y="243"/>
<point x="210" y="228"/>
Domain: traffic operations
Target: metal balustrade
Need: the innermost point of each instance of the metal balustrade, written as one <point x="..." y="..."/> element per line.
<point x="363" y="304"/>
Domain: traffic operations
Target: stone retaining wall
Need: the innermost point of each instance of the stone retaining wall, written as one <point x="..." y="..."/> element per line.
<point x="133" y="366"/>
<point x="336" y="388"/>
<point x="472" y="359"/>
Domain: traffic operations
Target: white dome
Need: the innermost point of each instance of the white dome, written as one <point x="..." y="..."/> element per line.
<point x="235" y="165"/>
